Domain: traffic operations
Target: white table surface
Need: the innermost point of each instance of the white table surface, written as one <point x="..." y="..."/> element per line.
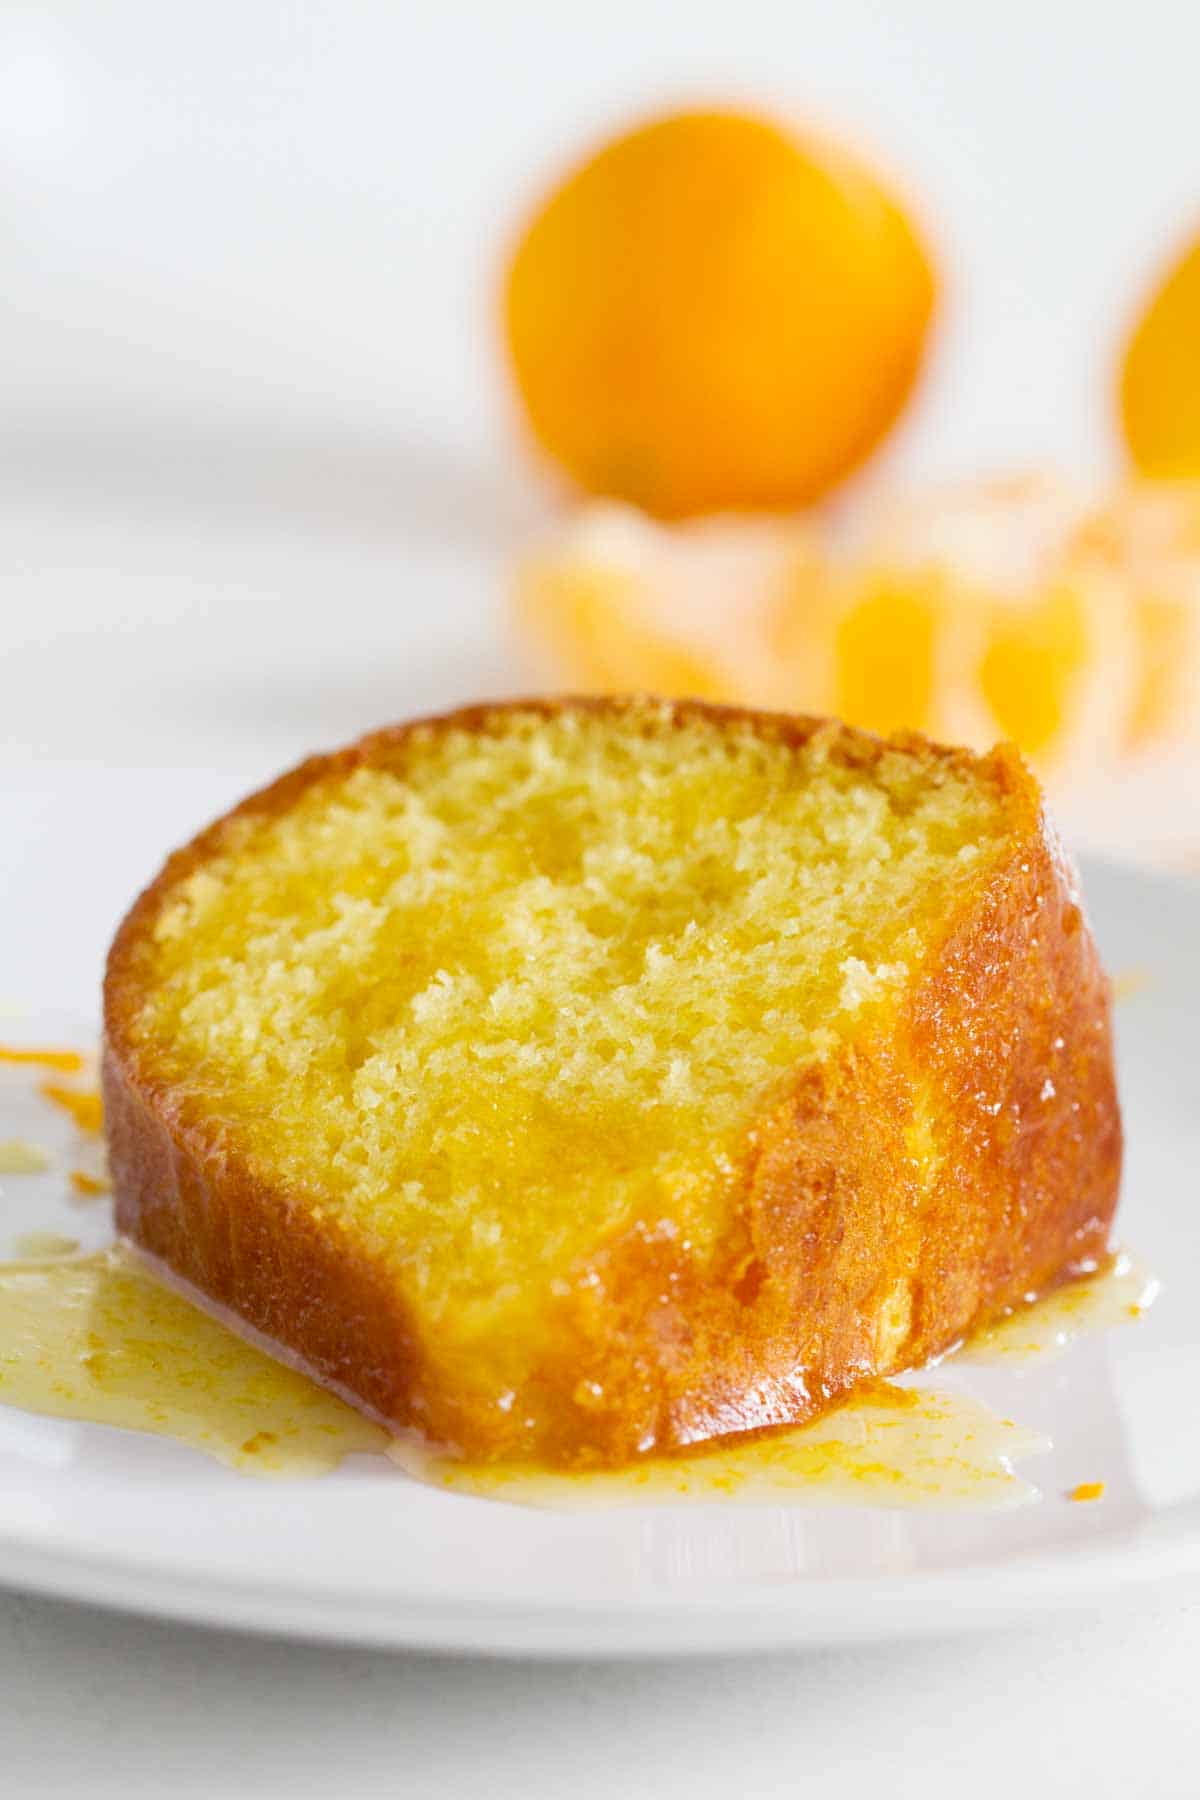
<point x="251" y="502"/>
<point x="1089" y="1708"/>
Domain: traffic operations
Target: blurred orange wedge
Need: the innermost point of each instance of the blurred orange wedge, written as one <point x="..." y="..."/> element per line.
<point x="1007" y="610"/>
<point x="616" y="602"/>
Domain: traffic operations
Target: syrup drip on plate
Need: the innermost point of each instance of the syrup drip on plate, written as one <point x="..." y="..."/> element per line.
<point x="886" y="1446"/>
<point x="98" y="1338"/>
<point x="1119" y="1292"/>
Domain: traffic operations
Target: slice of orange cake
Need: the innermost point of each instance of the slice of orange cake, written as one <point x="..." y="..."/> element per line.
<point x="575" y="1079"/>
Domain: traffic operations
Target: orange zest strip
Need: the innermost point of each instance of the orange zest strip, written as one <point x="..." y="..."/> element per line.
<point x="83" y="1104"/>
<point x="1087" y="1490"/>
<point x="67" y="1062"/>
<point x="83" y="1183"/>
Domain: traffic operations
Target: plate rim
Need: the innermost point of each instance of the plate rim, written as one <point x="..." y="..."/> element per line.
<point x="788" y="1615"/>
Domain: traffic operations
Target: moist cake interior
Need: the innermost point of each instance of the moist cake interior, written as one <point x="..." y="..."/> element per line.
<point x="514" y="988"/>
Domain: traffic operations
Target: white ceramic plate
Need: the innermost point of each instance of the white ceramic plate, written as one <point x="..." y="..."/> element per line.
<point x="367" y="1556"/>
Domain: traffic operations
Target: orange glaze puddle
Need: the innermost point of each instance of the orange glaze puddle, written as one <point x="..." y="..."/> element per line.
<point x="18" y="1156"/>
<point x="98" y="1338"/>
<point x="887" y="1446"/>
<point x="1118" y="1292"/>
<point x="40" y="1246"/>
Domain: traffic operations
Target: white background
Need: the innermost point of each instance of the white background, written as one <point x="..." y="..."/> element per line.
<point x="257" y="485"/>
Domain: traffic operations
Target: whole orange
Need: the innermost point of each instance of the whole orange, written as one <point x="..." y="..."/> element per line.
<point x="715" y="312"/>
<point x="1160" y="375"/>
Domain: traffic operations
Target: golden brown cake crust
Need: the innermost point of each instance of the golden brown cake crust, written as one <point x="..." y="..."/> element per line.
<point x="963" y="1155"/>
